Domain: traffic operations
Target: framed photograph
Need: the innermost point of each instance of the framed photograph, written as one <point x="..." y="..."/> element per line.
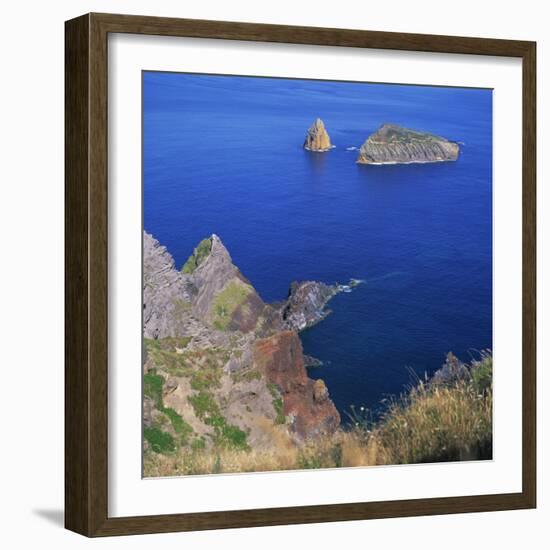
<point x="300" y="275"/>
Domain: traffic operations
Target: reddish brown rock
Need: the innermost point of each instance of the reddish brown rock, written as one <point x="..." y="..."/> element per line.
<point x="305" y="401"/>
<point x="320" y="391"/>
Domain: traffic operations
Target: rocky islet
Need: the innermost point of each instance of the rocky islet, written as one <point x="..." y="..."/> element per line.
<point x="390" y="144"/>
<point x="317" y="138"/>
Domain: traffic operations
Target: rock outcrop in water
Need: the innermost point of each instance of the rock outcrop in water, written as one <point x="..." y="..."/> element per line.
<point x="306" y="303"/>
<point x="392" y="144"/>
<point x="317" y="138"/>
<point x="221" y="366"/>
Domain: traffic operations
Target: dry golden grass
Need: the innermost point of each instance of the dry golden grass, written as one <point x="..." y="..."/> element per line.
<point x="436" y="424"/>
<point x="341" y="449"/>
<point x="432" y="423"/>
<point x="213" y="462"/>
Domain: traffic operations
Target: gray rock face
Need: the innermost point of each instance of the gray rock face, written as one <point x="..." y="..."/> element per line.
<point x="317" y="138"/>
<point x="168" y="299"/>
<point x="306" y="303"/>
<point x="224" y="298"/>
<point x="312" y="362"/>
<point x="164" y="289"/>
<point x="451" y="371"/>
<point x="392" y="144"/>
<point x="212" y="276"/>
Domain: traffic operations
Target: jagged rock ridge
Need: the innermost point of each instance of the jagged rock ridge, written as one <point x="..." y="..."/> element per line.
<point x="163" y="289"/>
<point x="212" y="342"/>
<point x="317" y="138"/>
<point x="224" y="297"/>
<point x="392" y="144"/>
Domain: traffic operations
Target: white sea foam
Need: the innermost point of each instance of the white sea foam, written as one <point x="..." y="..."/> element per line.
<point x="391" y="162"/>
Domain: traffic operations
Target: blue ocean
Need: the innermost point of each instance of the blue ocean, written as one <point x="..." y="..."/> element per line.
<point x="223" y="154"/>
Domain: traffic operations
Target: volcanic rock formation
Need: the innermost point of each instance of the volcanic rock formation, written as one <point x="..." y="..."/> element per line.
<point x="317" y="138"/>
<point x="306" y="303"/>
<point x="392" y="144"/>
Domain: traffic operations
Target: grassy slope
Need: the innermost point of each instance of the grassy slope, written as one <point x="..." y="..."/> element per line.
<point x="203" y="369"/>
<point x="432" y="423"/>
<point x="227" y="301"/>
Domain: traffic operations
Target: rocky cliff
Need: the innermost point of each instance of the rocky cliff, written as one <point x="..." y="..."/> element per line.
<point x="223" y="297"/>
<point x="221" y="367"/>
<point x="317" y="138"/>
<point x="306" y="403"/>
<point x="306" y="303"/>
<point x="164" y="289"/>
<point x="392" y="144"/>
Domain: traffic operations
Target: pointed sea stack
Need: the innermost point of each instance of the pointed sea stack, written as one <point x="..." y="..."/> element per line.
<point x="392" y="144"/>
<point x="317" y="138"/>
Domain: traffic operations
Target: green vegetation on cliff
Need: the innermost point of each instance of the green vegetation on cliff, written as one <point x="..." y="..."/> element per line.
<point x="278" y="404"/>
<point x="391" y="132"/>
<point x="227" y="301"/>
<point x="159" y="440"/>
<point x="203" y="369"/>
<point x="181" y="427"/>
<point x="445" y="418"/>
<point x="199" y="255"/>
<point x="152" y="387"/>
<point x="203" y="365"/>
<point x="226" y="435"/>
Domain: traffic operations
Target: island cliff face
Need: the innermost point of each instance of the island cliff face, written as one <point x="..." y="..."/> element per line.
<point x="392" y="144"/>
<point x="221" y="366"/>
<point x="317" y="138"/>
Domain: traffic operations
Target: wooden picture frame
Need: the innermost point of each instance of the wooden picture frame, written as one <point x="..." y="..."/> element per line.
<point x="86" y="283"/>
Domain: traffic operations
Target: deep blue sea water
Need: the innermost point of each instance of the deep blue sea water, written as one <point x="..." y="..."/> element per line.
<point x="224" y="155"/>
